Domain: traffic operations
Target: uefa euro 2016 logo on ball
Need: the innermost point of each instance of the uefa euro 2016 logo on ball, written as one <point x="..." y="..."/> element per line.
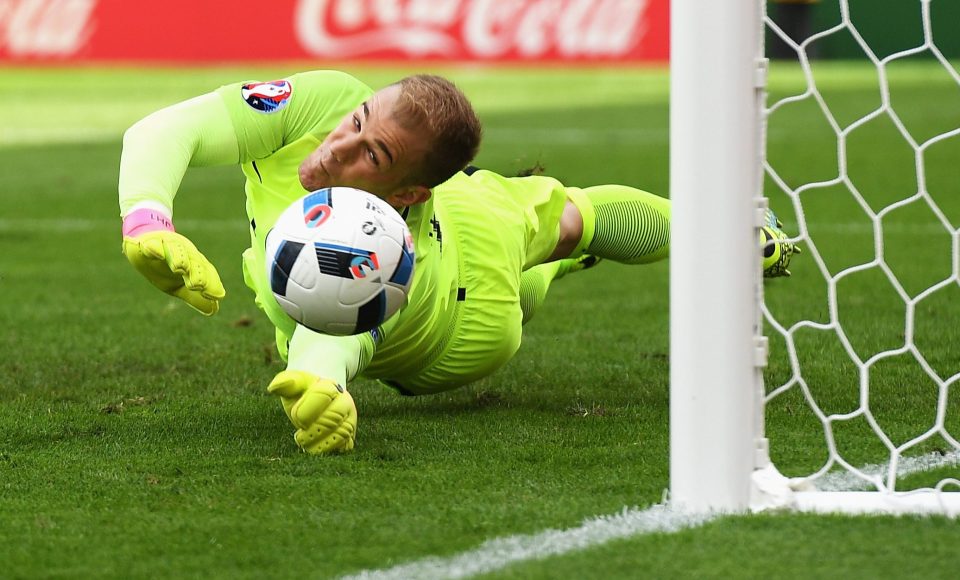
<point x="340" y="261"/>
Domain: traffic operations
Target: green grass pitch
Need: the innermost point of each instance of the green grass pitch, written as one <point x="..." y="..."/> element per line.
<point x="137" y="439"/>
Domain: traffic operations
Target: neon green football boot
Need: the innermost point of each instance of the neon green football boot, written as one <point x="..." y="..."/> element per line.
<point x="778" y="250"/>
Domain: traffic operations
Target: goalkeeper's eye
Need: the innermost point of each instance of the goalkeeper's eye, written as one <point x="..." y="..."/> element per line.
<point x="356" y="123"/>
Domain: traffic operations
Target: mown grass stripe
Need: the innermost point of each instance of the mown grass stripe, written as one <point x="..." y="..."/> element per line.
<point x="498" y="553"/>
<point x="87" y="224"/>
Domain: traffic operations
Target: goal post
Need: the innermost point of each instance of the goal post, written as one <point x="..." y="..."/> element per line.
<point x="719" y="458"/>
<point x="714" y="174"/>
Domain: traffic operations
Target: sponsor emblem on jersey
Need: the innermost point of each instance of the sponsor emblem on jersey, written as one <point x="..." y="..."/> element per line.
<point x="267" y="97"/>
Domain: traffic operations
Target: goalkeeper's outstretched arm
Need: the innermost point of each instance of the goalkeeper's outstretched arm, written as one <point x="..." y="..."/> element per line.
<point x="156" y="153"/>
<point x="313" y="391"/>
<point x="218" y="128"/>
<point x="158" y="149"/>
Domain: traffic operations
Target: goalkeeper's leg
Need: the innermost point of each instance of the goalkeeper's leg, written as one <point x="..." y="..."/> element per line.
<point x="615" y="222"/>
<point x="631" y="226"/>
<point x="622" y="223"/>
<point x="535" y="282"/>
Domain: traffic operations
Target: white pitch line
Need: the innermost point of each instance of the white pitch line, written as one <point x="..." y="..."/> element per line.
<point x="73" y="225"/>
<point x="847" y="481"/>
<point x="32" y="136"/>
<point x="498" y="553"/>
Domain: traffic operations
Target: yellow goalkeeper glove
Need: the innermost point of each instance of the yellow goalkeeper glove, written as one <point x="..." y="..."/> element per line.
<point x="322" y="411"/>
<point x="173" y="264"/>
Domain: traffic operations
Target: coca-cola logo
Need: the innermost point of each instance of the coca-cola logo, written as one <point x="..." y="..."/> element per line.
<point x="492" y="30"/>
<point x="45" y="27"/>
<point x="470" y="28"/>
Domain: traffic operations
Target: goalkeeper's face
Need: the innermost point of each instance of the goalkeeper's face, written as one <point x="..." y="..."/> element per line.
<point x="371" y="151"/>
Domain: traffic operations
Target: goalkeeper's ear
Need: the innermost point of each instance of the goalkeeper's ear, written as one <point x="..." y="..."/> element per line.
<point x="409" y="195"/>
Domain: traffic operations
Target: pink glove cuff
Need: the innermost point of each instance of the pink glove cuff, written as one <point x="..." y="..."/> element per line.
<point x="145" y="220"/>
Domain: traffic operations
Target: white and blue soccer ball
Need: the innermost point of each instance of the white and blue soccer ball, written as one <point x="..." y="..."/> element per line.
<point x="340" y="261"/>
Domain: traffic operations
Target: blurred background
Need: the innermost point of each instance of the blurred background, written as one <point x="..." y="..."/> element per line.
<point x="62" y="43"/>
<point x="186" y="32"/>
<point x="82" y="71"/>
<point x="137" y="439"/>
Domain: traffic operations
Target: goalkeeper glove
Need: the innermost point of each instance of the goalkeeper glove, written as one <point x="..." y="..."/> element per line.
<point x="777" y="249"/>
<point x="170" y="261"/>
<point x="322" y="411"/>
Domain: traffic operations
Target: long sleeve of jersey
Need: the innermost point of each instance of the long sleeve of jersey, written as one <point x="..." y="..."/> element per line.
<point x="159" y="148"/>
<point x="235" y="124"/>
<point x="338" y="358"/>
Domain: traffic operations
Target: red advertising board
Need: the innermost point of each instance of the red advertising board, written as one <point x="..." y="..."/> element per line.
<point x="192" y="31"/>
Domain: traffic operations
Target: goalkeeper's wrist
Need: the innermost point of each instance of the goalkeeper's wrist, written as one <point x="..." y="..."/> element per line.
<point x="146" y="219"/>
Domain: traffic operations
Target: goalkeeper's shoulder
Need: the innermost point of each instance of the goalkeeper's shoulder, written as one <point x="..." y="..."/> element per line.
<point x="328" y="78"/>
<point x="318" y="90"/>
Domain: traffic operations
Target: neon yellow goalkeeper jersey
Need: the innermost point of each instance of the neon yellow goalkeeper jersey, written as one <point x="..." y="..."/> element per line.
<point x="277" y="125"/>
<point x="272" y="148"/>
<point x="472" y="238"/>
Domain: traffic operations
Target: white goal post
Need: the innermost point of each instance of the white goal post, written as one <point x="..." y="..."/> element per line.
<point x="719" y="459"/>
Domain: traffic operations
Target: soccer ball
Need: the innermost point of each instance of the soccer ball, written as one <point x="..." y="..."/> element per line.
<point x="340" y="261"/>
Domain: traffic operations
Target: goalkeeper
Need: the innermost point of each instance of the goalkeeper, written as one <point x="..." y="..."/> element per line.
<point x="487" y="247"/>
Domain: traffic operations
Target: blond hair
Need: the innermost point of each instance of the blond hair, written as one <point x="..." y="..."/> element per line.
<point x="436" y="105"/>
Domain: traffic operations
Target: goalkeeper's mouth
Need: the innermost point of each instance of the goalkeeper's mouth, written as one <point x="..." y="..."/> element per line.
<point x="313" y="170"/>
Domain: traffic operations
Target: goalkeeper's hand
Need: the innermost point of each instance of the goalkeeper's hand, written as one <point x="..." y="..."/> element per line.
<point x="173" y="264"/>
<point x="322" y="411"/>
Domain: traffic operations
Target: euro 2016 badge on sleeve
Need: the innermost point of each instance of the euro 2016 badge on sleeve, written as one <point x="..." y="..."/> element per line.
<point x="267" y="97"/>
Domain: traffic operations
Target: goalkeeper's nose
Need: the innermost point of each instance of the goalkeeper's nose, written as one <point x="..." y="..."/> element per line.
<point x="343" y="150"/>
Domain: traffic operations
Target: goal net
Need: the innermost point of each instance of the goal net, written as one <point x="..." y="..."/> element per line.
<point x="844" y="392"/>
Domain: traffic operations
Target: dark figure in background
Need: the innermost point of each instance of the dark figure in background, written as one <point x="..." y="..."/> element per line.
<point x="795" y="19"/>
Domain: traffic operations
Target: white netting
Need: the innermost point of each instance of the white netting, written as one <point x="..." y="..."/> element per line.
<point x="862" y="165"/>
